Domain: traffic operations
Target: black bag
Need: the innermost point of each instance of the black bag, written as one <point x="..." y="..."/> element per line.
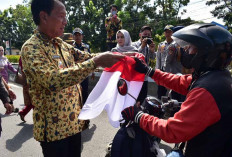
<point x="125" y="146"/>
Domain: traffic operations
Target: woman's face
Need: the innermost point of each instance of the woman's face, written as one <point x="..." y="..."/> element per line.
<point x="1" y="51"/>
<point x="120" y="39"/>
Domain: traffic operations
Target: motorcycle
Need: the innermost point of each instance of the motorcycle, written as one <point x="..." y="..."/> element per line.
<point x="131" y="140"/>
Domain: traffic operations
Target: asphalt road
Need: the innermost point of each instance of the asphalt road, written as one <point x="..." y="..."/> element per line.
<point x="17" y="138"/>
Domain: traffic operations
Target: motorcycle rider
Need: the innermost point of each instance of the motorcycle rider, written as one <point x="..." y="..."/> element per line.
<point x="204" y="121"/>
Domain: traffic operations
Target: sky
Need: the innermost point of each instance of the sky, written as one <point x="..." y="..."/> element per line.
<point x="4" y="4"/>
<point x="196" y="10"/>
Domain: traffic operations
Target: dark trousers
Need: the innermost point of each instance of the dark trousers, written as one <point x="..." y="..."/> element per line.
<point x="85" y="87"/>
<point x="110" y="46"/>
<point x="68" y="147"/>
<point x="143" y="92"/>
<point x="0" y="126"/>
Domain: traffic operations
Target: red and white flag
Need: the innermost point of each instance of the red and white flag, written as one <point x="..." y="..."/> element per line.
<point x="106" y="96"/>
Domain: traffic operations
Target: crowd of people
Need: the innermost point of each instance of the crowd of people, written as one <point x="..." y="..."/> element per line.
<point x="56" y="81"/>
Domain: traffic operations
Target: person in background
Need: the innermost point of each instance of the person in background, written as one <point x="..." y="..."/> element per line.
<point x="146" y="46"/>
<point x="167" y="60"/>
<point x="54" y="71"/>
<point x="78" y="43"/>
<point x="68" y="38"/>
<point x="204" y="121"/>
<point x="7" y="96"/>
<point x="124" y="42"/>
<point x="5" y="65"/>
<point x="112" y="23"/>
<point x="26" y="96"/>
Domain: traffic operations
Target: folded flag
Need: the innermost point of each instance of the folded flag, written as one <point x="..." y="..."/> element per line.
<point x="105" y="94"/>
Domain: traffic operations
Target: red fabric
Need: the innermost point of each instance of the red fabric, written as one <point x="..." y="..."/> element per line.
<point x="26" y="109"/>
<point x="197" y="113"/>
<point x="175" y="82"/>
<point x="126" y="66"/>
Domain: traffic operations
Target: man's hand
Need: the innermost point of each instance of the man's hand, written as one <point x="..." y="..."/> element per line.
<point x="152" y="47"/>
<point x="141" y="67"/>
<point x="12" y="94"/>
<point x="114" y="19"/>
<point x="132" y="113"/>
<point x="9" y="108"/>
<point x="144" y="43"/>
<point x="107" y="59"/>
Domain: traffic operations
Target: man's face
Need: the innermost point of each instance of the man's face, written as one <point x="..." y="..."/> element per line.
<point x="78" y="37"/>
<point x="114" y="11"/>
<point x="145" y="33"/>
<point x="190" y="49"/>
<point x="55" y="23"/>
<point x="168" y="33"/>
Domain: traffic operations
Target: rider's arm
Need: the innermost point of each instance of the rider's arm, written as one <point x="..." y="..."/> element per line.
<point x="197" y="113"/>
<point x="175" y="82"/>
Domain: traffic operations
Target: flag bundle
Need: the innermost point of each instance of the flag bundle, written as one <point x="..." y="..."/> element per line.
<point x="105" y="94"/>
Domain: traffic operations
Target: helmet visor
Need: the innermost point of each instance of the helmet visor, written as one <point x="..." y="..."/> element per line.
<point x="180" y="42"/>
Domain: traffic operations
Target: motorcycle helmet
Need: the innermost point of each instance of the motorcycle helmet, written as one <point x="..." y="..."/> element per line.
<point x="213" y="43"/>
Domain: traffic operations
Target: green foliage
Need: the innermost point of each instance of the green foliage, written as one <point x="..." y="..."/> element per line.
<point x="222" y="10"/>
<point x="13" y="58"/>
<point x="89" y="15"/>
<point x="152" y="63"/>
<point x="16" y="25"/>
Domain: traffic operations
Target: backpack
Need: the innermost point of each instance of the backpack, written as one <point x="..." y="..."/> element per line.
<point x="132" y="141"/>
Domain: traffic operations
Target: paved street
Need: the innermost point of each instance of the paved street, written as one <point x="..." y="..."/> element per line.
<point x="17" y="139"/>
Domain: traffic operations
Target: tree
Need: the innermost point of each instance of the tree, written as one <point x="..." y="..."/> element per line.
<point x="16" y="25"/>
<point x="222" y="10"/>
<point x="89" y="15"/>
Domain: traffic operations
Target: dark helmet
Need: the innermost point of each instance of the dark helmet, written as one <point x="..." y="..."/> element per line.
<point x="214" y="45"/>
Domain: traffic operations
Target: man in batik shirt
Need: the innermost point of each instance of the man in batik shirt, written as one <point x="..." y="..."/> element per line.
<point x="112" y="24"/>
<point x="54" y="70"/>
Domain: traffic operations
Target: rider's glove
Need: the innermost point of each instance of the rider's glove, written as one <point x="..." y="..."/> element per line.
<point x="132" y="113"/>
<point x="141" y="67"/>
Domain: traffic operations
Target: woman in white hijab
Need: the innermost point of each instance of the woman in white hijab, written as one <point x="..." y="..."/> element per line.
<point x="124" y="42"/>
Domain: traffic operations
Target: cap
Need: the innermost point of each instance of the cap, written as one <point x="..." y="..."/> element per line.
<point x="67" y="37"/>
<point x="169" y="27"/>
<point x="145" y="28"/>
<point x="77" y="30"/>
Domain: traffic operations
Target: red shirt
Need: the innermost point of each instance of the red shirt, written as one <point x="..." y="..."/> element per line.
<point x="197" y="112"/>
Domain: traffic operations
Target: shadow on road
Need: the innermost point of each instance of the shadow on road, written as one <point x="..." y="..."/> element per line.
<point x="87" y="134"/>
<point x="23" y="135"/>
<point x="7" y="115"/>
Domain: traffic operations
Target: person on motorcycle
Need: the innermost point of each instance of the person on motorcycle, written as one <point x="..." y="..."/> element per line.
<point x="204" y="121"/>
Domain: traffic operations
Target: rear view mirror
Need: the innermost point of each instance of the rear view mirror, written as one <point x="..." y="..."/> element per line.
<point x="123" y="88"/>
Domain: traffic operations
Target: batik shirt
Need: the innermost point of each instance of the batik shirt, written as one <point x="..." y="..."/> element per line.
<point x="112" y="28"/>
<point x="53" y="77"/>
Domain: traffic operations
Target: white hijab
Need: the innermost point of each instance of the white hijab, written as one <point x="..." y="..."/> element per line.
<point x="127" y="47"/>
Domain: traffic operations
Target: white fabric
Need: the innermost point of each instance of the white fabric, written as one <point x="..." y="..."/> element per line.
<point x="106" y="96"/>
